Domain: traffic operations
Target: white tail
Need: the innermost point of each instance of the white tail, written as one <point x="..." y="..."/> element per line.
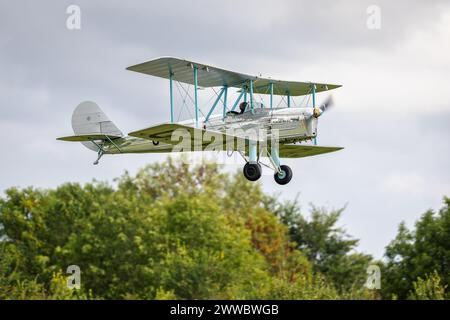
<point x="88" y="118"/>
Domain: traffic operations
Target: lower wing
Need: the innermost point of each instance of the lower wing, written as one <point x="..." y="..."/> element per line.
<point x="200" y="139"/>
<point x="172" y="133"/>
<point x="300" y="151"/>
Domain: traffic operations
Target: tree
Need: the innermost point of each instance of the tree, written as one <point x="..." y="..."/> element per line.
<point x="429" y="288"/>
<point x="416" y="253"/>
<point x="14" y="286"/>
<point x="170" y="231"/>
<point x="328" y="247"/>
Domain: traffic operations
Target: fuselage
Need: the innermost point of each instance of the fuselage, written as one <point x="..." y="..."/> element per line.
<point x="288" y="125"/>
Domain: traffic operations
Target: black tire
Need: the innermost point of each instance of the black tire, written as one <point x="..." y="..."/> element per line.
<point x="285" y="177"/>
<point x="155" y="143"/>
<point x="252" y="171"/>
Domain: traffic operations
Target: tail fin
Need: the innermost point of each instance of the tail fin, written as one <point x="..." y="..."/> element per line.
<point x="89" y="119"/>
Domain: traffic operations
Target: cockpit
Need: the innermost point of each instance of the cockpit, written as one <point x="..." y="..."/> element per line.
<point x="244" y="107"/>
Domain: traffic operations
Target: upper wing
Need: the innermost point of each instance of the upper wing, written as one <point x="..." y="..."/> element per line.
<point x="209" y="76"/>
<point x="300" y="151"/>
<point x="181" y="71"/>
<point x="293" y="88"/>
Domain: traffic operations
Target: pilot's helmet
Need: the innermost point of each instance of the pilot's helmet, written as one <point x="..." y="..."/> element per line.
<point x="242" y="106"/>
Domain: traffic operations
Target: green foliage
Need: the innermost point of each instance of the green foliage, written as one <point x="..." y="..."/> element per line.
<point x="175" y="231"/>
<point x="429" y="288"/>
<point x="171" y="231"/>
<point x="14" y="287"/>
<point x="414" y="254"/>
<point x="329" y="248"/>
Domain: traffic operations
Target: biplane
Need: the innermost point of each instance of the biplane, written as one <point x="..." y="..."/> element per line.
<point x="251" y="128"/>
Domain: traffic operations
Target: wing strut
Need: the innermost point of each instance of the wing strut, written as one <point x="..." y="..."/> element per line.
<point x="196" y="94"/>
<point x="211" y="110"/>
<point x="171" y="95"/>
<point x="313" y="91"/>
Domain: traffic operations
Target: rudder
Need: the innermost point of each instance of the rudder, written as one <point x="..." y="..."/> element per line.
<point x="88" y="118"/>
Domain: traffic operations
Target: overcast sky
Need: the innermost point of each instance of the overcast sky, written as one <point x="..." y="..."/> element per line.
<point x="392" y="114"/>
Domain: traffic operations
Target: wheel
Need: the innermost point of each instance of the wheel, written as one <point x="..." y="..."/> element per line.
<point x="285" y="176"/>
<point x="252" y="171"/>
<point x="155" y="143"/>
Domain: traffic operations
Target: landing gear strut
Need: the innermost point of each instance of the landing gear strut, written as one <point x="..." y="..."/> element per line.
<point x="283" y="174"/>
<point x="252" y="169"/>
<point x="100" y="154"/>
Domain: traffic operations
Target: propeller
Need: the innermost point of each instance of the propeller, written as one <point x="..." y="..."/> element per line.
<point x="318" y="111"/>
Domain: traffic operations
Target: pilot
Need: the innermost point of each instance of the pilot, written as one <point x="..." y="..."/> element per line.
<point x="243" y="106"/>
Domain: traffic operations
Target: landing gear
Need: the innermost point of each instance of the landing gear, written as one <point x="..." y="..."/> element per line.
<point x="252" y="171"/>
<point x="100" y="154"/>
<point x="284" y="175"/>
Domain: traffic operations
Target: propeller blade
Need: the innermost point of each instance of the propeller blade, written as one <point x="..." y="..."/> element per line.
<point x="327" y="104"/>
<point x="317" y="112"/>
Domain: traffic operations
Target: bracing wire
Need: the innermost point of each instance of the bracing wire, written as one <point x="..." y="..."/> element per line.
<point x="184" y="104"/>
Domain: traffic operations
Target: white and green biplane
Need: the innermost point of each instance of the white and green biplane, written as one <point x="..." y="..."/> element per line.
<point x="246" y="126"/>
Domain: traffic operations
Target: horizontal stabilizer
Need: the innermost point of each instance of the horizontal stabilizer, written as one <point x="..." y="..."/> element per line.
<point x="88" y="137"/>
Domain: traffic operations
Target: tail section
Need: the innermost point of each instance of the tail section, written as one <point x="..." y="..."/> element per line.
<point x="89" y="119"/>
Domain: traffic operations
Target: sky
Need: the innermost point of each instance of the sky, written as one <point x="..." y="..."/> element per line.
<point x="392" y="114"/>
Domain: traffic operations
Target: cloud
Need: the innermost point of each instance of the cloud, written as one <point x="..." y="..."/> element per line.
<point x="406" y="183"/>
